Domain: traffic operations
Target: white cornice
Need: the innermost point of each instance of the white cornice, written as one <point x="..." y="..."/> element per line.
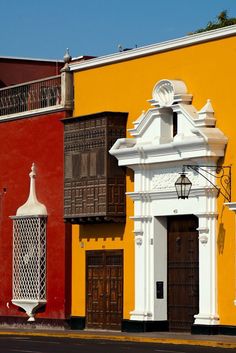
<point x="156" y="48"/>
<point x="192" y="147"/>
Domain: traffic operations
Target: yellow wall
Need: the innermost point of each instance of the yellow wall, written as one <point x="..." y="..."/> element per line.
<point x="208" y="70"/>
<point x="103" y="237"/>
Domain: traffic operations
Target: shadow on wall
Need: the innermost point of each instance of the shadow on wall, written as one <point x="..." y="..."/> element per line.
<point x="130" y="174"/>
<point x="221" y="238"/>
<point x="102" y="231"/>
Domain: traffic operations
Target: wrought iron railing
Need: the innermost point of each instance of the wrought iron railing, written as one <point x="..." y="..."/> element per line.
<point x="30" y="96"/>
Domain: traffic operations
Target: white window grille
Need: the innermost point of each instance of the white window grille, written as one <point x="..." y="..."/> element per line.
<point x="29" y="258"/>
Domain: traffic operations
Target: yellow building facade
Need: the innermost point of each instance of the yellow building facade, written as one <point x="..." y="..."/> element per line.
<point x="162" y="87"/>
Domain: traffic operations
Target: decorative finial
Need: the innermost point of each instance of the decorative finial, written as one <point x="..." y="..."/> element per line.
<point x="207" y="109"/>
<point x="120" y="48"/>
<point x="67" y="57"/>
<point x="205" y="116"/>
<point x="32" y="174"/>
<point x="32" y="205"/>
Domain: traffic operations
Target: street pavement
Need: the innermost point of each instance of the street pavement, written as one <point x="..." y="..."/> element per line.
<point x="221" y="341"/>
<point x="42" y="344"/>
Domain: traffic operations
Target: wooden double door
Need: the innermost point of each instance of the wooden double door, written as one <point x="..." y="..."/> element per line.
<point x="183" y="272"/>
<point x="104" y="292"/>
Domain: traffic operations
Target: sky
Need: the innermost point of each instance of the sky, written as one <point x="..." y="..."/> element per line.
<point x="45" y="28"/>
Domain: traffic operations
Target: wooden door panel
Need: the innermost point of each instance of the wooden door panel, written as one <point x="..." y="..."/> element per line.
<point x="183" y="271"/>
<point x="104" y="289"/>
<point x="114" y="305"/>
<point x="94" y="290"/>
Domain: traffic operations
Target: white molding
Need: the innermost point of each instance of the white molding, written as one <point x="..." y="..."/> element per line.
<point x="144" y="121"/>
<point x="171" y="194"/>
<point x="208" y="214"/>
<point x="32" y="113"/>
<point x="140" y="315"/>
<point x="156" y="48"/>
<point x="231" y="205"/>
<point x="141" y="218"/>
<point x="30" y="306"/>
<point x="174" y="151"/>
<point x="205" y="319"/>
<point x="138" y="232"/>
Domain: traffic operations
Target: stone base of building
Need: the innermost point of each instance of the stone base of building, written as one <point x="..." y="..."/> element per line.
<point x="143" y="326"/>
<point x="39" y="323"/>
<point x="72" y="323"/>
<point x="77" y="322"/>
<point x="205" y="329"/>
<point x="213" y="330"/>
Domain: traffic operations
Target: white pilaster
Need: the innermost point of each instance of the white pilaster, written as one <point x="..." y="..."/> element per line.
<point x="143" y="270"/>
<point x="143" y="231"/>
<point x="207" y="271"/>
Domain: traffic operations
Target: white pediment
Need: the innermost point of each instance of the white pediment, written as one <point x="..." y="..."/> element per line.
<point x="172" y="130"/>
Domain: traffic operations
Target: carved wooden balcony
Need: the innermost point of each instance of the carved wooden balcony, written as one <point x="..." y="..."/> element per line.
<point x="94" y="184"/>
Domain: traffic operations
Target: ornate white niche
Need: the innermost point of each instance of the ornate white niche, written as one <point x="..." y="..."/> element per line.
<point x="29" y="253"/>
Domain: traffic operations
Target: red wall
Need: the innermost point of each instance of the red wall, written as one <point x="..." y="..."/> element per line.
<point x="16" y="71"/>
<point x="38" y="140"/>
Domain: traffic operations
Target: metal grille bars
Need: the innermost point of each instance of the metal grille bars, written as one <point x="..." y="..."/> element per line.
<point x="29" y="258"/>
<point x="30" y="96"/>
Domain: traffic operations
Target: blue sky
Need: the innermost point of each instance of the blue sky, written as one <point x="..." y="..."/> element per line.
<point x="45" y="28"/>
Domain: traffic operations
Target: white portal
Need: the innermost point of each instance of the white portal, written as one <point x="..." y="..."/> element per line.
<point x="169" y="135"/>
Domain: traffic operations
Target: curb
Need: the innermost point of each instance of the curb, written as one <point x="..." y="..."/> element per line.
<point x="205" y="343"/>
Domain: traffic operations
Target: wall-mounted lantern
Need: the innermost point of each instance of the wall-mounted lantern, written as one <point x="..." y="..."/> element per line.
<point x="222" y="173"/>
<point x="183" y="186"/>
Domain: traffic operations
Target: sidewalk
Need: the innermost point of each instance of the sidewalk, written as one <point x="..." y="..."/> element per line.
<point x="147" y="337"/>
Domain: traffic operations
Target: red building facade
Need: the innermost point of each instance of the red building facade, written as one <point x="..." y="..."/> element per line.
<point x="38" y="140"/>
<point x="35" y="135"/>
